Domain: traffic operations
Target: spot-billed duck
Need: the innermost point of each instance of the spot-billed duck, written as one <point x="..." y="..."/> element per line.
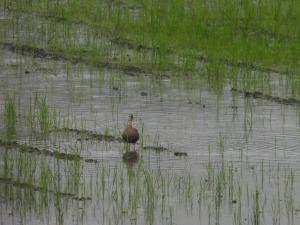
<point x="130" y="134"/>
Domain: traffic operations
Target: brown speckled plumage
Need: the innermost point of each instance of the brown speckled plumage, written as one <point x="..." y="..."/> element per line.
<point x="130" y="134"/>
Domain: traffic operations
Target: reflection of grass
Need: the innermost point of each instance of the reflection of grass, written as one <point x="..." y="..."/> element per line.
<point x="10" y="117"/>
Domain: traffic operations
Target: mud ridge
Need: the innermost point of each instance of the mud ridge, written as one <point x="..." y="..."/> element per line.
<point x="130" y="44"/>
<point x="180" y="154"/>
<point x="163" y="149"/>
<point x="156" y="148"/>
<point x="35" y="150"/>
<point x="89" y="135"/>
<point x="75" y="59"/>
<point x="258" y="94"/>
<point x="46" y="16"/>
<point x="107" y="34"/>
<point x="25" y="185"/>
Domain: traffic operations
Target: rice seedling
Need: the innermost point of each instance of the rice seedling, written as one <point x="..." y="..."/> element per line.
<point x="43" y="114"/>
<point x="218" y="196"/>
<point x="256" y="208"/>
<point x="289" y="196"/>
<point x="237" y="216"/>
<point x="6" y="164"/>
<point x="10" y="118"/>
<point x="29" y="116"/>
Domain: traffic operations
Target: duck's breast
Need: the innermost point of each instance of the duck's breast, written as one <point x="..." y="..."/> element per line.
<point x="131" y="135"/>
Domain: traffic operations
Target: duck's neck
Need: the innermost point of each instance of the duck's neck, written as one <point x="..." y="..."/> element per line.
<point x="129" y="124"/>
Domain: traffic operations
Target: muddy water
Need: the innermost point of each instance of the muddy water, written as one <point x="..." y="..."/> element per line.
<point x="258" y="139"/>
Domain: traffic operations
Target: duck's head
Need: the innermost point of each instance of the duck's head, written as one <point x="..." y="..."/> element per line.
<point x="130" y="117"/>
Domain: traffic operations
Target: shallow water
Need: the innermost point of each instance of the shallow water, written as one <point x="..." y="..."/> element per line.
<point x="258" y="139"/>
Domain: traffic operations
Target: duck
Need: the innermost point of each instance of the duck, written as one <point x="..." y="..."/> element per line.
<point x="130" y="134"/>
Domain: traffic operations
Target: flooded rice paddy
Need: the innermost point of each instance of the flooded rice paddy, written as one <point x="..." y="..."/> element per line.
<point x="206" y="155"/>
<point x="242" y="153"/>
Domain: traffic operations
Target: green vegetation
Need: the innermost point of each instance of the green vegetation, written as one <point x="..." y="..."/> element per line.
<point x="124" y="190"/>
<point x="43" y="114"/>
<point x="10" y="117"/>
<point x="213" y="40"/>
<point x="256" y="209"/>
<point x="55" y="166"/>
<point x="55" y="178"/>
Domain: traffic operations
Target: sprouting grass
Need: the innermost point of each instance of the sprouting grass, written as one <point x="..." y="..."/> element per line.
<point x="6" y="164"/>
<point x="10" y="117"/>
<point x="43" y="114"/>
<point x="256" y="208"/>
<point x="106" y="132"/>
